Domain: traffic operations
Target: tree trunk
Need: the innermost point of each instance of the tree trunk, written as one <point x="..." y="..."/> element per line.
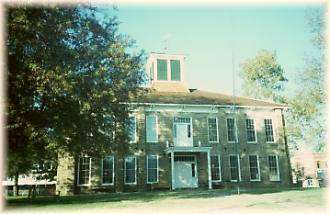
<point x="15" y="187"/>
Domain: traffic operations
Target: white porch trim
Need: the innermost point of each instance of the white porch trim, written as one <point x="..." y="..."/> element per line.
<point x="172" y="150"/>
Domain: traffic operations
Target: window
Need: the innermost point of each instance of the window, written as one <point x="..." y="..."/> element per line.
<point x="213" y="129"/>
<point x="215" y="168"/>
<point x="175" y="70"/>
<point x="250" y="130"/>
<point x="132" y="129"/>
<point x="269" y="130"/>
<point x="151" y="128"/>
<point x="130" y="170"/>
<point x="152" y="169"/>
<point x="161" y="69"/>
<point x="231" y="130"/>
<point x="254" y="168"/>
<point x="234" y="168"/>
<point x="274" y="174"/>
<point x="107" y="170"/>
<point x="84" y="171"/>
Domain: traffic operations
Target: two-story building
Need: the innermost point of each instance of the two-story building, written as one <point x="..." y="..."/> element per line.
<point x="188" y="138"/>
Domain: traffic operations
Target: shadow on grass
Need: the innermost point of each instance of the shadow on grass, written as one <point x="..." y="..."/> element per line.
<point x="136" y="196"/>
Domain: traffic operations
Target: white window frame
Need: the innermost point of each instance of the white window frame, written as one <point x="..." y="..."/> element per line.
<point x="113" y="171"/>
<point x="255" y="131"/>
<point x="208" y="129"/>
<point x="89" y="174"/>
<point x="235" y="131"/>
<point x="135" y="131"/>
<point x="157" y="128"/>
<point x="258" y="167"/>
<point x="126" y="158"/>
<point x="273" y="128"/>
<point x="168" y="63"/>
<point x="157" y="159"/>
<point x="239" y="168"/>
<point x="277" y="167"/>
<point x="191" y="128"/>
<point x="220" y="174"/>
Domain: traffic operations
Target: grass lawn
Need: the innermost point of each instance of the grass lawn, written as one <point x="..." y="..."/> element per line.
<point x="194" y="201"/>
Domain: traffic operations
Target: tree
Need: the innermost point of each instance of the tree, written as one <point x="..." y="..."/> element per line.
<point x="263" y="77"/>
<point x="307" y="116"/>
<point x="69" y="73"/>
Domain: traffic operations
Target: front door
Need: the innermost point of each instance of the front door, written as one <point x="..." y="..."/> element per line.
<point x="185" y="175"/>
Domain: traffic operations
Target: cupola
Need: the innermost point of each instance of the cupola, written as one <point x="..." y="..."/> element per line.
<point x="166" y="72"/>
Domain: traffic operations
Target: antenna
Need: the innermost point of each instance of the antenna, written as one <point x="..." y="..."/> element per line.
<point x="235" y="109"/>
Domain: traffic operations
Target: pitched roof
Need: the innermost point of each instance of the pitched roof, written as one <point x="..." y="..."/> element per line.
<point x="202" y="98"/>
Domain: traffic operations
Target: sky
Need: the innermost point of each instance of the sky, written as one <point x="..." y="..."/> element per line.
<point x="217" y="39"/>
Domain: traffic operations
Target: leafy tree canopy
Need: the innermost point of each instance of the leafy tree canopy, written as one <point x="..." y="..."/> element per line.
<point x="263" y="77"/>
<point x="68" y="74"/>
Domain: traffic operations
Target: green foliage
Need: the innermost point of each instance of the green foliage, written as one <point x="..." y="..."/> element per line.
<point x="68" y="74"/>
<point x="307" y="116"/>
<point x="263" y="77"/>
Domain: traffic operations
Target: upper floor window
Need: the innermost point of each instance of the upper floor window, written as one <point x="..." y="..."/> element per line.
<point x="161" y="69"/>
<point x="175" y="70"/>
<point x="132" y="129"/>
<point x="151" y="128"/>
<point x="213" y="129"/>
<point x="250" y="130"/>
<point x="269" y="130"/>
<point x="231" y="130"/>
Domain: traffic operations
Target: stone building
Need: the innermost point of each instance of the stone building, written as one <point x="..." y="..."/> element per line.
<point x="188" y="138"/>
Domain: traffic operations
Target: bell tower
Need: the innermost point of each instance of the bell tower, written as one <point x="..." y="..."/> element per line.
<point x="166" y="72"/>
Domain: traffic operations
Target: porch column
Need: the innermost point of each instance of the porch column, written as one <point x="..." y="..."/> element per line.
<point x="209" y="169"/>
<point x="172" y="169"/>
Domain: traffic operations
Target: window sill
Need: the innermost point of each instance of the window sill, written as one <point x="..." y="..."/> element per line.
<point x="252" y="142"/>
<point x="84" y="185"/>
<point x="234" y="181"/>
<point x="156" y="182"/>
<point x="256" y="180"/>
<point x="109" y="184"/>
<point x="130" y="184"/>
<point x="213" y="141"/>
<point x="216" y="180"/>
<point x="152" y="142"/>
<point x="232" y="142"/>
<point x="270" y="142"/>
<point x="275" y="180"/>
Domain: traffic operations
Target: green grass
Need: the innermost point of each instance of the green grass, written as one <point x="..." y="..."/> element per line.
<point x="258" y="197"/>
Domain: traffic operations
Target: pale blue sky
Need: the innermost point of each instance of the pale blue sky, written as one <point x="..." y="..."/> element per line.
<point x="207" y="36"/>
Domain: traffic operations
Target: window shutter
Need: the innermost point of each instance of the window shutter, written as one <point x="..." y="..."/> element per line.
<point x="151" y="128"/>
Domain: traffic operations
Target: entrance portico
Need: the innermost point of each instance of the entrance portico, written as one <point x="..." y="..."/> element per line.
<point x="184" y="168"/>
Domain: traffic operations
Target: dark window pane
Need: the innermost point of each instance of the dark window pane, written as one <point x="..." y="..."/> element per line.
<point x="250" y="130"/>
<point x="175" y="70"/>
<point x="161" y="69"/>
<point x="269" y="130"/>
<point x="231" y="129"/>
<point x="233" y="161"/>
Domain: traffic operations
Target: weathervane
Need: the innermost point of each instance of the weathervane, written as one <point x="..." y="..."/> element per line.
<point x="166" y="39"/>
